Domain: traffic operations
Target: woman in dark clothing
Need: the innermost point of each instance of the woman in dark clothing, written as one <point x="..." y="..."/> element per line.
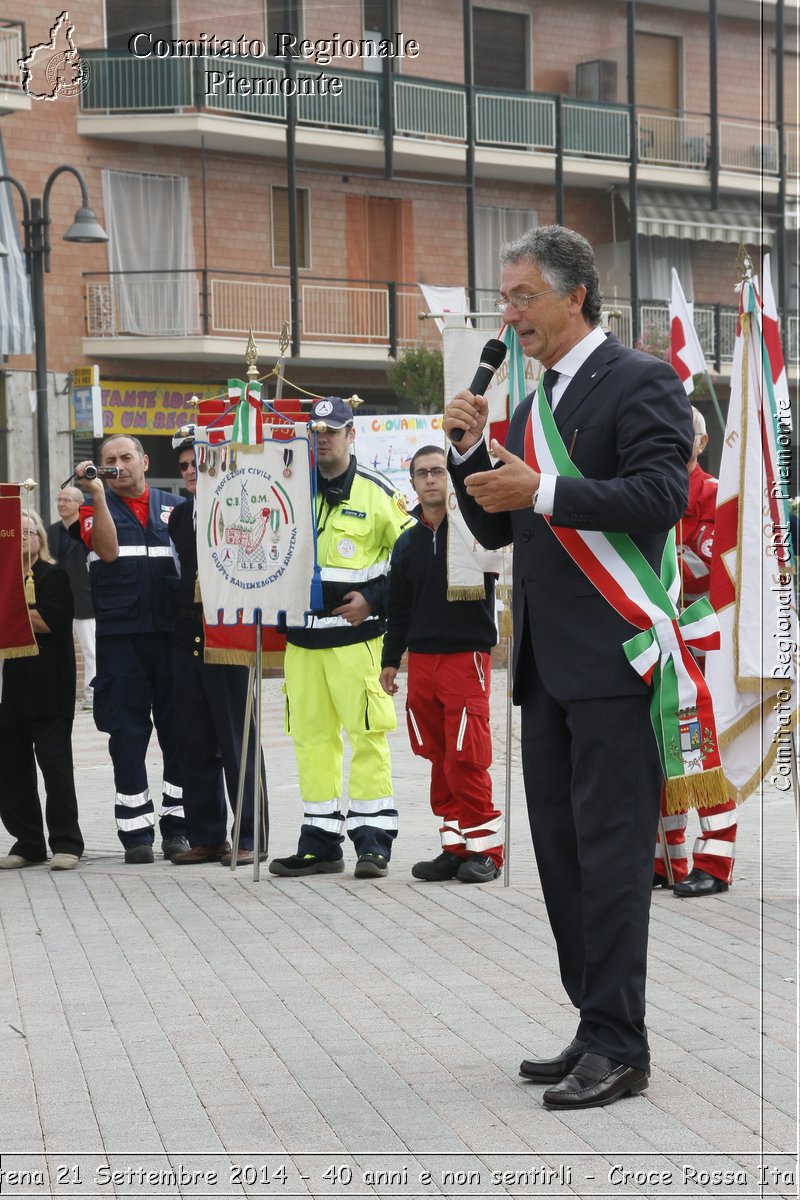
<point x="36" y="713"/>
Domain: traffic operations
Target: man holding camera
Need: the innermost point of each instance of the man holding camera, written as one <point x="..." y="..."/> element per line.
<point x="134" y="583"/>
<point x="332" y="666"/>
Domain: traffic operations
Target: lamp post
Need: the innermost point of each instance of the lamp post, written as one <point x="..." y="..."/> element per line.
<point x="36" y="221"/>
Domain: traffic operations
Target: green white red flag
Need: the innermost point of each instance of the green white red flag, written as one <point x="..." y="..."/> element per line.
<point x="753" y="675"/>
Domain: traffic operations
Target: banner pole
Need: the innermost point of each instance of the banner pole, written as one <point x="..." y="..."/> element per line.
<point x="257" y="754"/>
<point x="248" y="716"/>
<point x="509" y="711"/>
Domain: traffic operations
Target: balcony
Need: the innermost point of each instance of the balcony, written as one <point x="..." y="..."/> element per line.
<point x="358" y="323"/>
<point x="12" y="48"/>
<point x="176" y="101"/>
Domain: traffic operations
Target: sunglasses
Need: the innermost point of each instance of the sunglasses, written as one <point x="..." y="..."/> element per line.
<point x="184" y="466"/>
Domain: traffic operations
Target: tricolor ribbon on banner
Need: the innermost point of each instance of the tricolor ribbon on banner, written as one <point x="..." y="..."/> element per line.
<point x="248" y="422"/>
<point x="681" y="709"/>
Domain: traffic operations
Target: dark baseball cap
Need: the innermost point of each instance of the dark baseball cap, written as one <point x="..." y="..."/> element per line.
<point x="332" y="411"/>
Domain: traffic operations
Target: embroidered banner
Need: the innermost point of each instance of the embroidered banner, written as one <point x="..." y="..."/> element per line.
<point x="16" y="634"/>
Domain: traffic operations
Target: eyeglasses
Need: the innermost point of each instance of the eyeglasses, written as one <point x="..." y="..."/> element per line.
<point x="520" y="303"/>
<point x="434" y="472"/>
<point x="29" y="533"/>
<point x="184" y="466"/>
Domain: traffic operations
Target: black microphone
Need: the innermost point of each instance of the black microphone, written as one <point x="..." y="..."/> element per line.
<point x="492" y="356"/>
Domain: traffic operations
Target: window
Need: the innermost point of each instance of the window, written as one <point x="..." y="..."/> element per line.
<point x="500" y="43"/>
<point x="493" y="226"/>
<point x="280" y="228"/>
<point x="124" y="18"/>
<point x="374" y="23"/>
<point x="283" y="16"/>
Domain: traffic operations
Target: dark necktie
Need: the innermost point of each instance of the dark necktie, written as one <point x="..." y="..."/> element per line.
<point x="548" y="383"/>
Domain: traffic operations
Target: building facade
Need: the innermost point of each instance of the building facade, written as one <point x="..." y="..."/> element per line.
<point x="244" y="189"/>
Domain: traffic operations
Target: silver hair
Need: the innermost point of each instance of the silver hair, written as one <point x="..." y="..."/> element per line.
<point x="698" y="422"/>
<point x="564" y="259"/>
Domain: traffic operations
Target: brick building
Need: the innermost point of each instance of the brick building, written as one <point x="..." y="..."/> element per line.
<point x="666" y="133"/>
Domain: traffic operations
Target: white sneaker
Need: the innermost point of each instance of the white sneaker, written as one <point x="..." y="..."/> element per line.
<point x="12" y="862"/>
<point x="63" y="862"/>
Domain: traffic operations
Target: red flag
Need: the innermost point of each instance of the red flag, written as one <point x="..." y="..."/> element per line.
<point x="686" y="354"/>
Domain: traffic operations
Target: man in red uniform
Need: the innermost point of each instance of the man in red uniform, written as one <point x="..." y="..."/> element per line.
<point x="713" y="853"/>
<point x="449" y="672"/>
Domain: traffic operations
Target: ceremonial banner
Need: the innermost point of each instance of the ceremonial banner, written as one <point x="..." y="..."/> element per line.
<point x="444" y="300"/>
<point x="16" y="633"/>
<point x="686" y="354"/>
<point x="772" y="340"/>
<point x="255" y="536"/>
<point x="753" y="675"/>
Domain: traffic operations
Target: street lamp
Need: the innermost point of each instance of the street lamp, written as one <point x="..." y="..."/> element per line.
<point x="36" y="220"/>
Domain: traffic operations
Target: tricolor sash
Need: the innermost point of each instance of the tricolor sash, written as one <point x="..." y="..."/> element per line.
<point x="680" y="709"/>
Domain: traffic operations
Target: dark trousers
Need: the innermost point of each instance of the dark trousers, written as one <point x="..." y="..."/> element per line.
<point x="50" y="740"/>
<point x="133" y="682"/>
<point x="209" y="724"/>
<point x="593" y="785"/>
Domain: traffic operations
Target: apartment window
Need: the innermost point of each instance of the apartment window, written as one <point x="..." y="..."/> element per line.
<point x="280" y="228"/>
<point x="658" y="72"/>
<point x="493" y="227"/>
<point x="500" y="42"/>
<point x="124" y="18"/>
<point x="374" y="25"/>
<point x="283" y="16"/>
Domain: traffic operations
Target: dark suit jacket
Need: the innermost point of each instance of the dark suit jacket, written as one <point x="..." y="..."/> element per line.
<point x="74" y="563"/>
<point x="633" y="442"/>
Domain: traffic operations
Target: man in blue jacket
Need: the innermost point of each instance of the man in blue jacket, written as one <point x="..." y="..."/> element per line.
<point x="134" y="585"/>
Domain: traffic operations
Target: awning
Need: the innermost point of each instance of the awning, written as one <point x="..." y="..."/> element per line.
<point x="665" y="212"/>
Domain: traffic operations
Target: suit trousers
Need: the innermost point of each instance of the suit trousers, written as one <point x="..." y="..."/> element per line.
<point x="593" y="784"/>
<point x="20" y="811"/>
<point x="209" y="723"/>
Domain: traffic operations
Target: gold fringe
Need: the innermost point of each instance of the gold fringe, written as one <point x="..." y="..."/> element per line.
<point x="704" y="790"/>
<point x="476" y="592"/>
<point x="30" y="589"/>
<point x="270" y="659"/>
<point x="19" y="651"/>
<point x="198" y="599"/>
<point x="506" y="623"/>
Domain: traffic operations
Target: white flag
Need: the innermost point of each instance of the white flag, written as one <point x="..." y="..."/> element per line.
<point x="752" y="677"/>
<point x="686" y="353"/>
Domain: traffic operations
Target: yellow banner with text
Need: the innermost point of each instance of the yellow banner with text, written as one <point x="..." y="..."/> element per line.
<point x="146" y="409"/>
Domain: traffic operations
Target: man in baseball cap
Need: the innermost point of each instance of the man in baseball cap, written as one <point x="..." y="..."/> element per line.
<point x="330" y="413"/>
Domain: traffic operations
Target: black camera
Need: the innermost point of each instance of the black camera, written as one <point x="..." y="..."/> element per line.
<point x="92" y="472"/>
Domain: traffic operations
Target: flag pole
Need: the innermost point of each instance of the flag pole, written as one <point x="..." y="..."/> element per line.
<point x="715" y="401"/>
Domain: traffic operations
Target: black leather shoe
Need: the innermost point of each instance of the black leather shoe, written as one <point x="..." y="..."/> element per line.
<point x="660" y="881"/>
<point x="170" y="846"/>
<point x="444" y="866"/>
<point x="478" y="868"/>
<point x="595" y="1081"/>
<point x="552" y="1070"/>
<point x="699" y="883"/>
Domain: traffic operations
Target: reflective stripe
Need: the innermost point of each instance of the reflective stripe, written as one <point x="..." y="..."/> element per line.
<point x="490" y="842"/>
<point x="173" y="810"/>
<point x="374" y="822"/>
<point x="371" y="806"/>
<point x="722" y="820"/>
<point x="172" y="789"/>
<point x="695" y="564"/>
<point x="462" y="729"/>
<point x="712" y="846"/>
<point x="495" y="824"/>
<point x="324" y="806"/>
<point x="354" y="575"/>
<point x="129" y="824"/>
<point x="329" y="824"/>
<point x="135" y="552"/>
<point x="415" y="726"/>
<point x="676" y="821"/>
<point x="337" y="622"/>
<point x="678" y="851"/>
<point x="134" y="801"/>
<point x="451" y="838"/>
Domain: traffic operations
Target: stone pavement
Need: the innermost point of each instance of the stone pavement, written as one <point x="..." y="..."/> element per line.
<point x="187" y="1031"/>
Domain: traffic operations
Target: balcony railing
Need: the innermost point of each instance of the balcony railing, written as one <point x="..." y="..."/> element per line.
<point x="343" y="312"/>
<point x="12" y="48"/>
<point x="433" y="111"/>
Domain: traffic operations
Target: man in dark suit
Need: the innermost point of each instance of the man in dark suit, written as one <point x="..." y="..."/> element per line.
<point x="71" y="554"/>
<point x="592" y="772"/>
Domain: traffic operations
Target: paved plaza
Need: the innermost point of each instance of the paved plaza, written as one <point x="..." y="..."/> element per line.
<point x="189" y="1031"/>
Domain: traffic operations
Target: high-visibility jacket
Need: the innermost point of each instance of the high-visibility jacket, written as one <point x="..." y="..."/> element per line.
<point x="358" y="522"/>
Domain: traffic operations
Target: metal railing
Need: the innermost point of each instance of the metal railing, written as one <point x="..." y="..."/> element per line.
<point x="267" y="101"/>
<point x="673" y="141"/>
<point x="595" y="130"/>
<point x="358" y="107"/>
<point x="353" y="312"/>
<point x="748" y="147"/>
<point x="12" y="45"/>
<point x="121" y="83"/>
<point x="519" y="121"/>
<point x="430" y="110"/>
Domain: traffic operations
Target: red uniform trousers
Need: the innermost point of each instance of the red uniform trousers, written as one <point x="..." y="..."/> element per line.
<point x="714" y="851"/>
<point x="448" y="723"/>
